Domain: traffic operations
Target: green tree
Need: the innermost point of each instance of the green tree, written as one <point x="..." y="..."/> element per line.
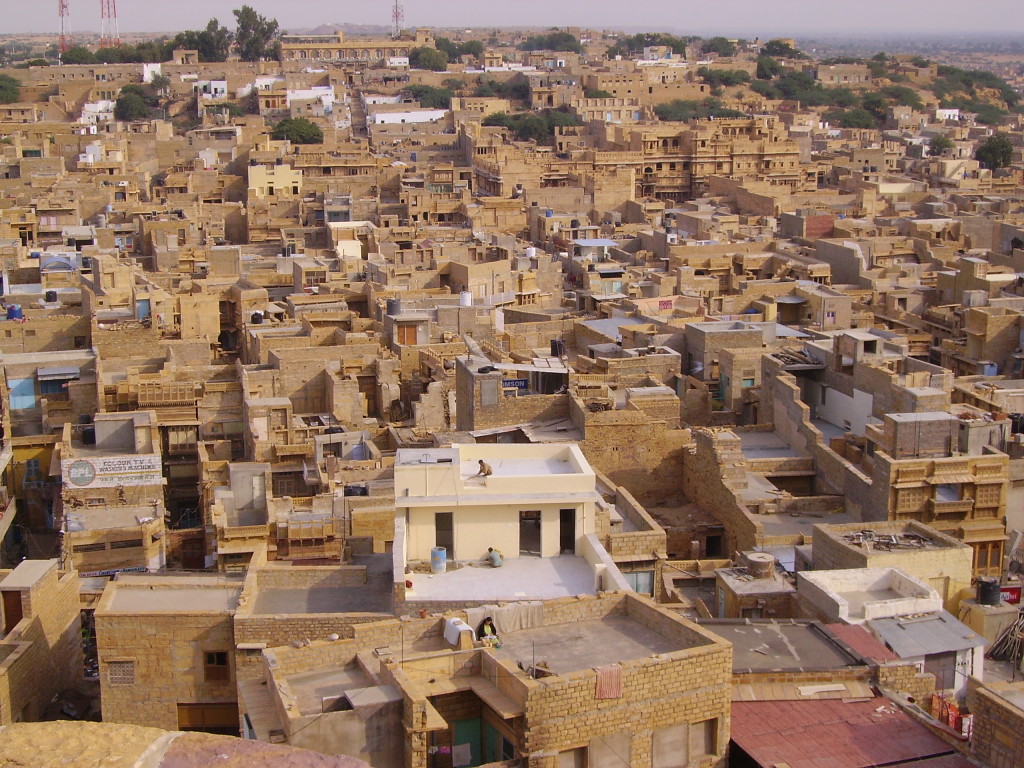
<point x="554" y="41"/>
<point x="767" y="68"/>
<point x="851" y="118"/>
<point x="995" y="152"/>
<point x="681" y="110"/>
<point x="430" y="97"/>
<point x="517" y="88"/>
<point x="78" y="54"/>
<point x="903" y="96"/>
<point x="719" y="78"/>
<point x="255" y="35"/>
<point x="161" y="84"/>
<point x="636" y="44"/>
<point x="298" y="130"/>
<point x="428" y="58"/>
<point x="781" y="50"/>
<point x="131" y="106"/>
<point x="939" y="145"/>
<point x="876" y="104"/>
<point x="135" y="88"/>
<point x="213" y="43"/>
<point x="451" y="50"/>
<point x="766" y="89"/>
<point x="531" y="126"/>
<point x="720" y="45"/>
<point x="597" y="93"/>
<point x="10" y="90"/>
<point x="472" y="48"/>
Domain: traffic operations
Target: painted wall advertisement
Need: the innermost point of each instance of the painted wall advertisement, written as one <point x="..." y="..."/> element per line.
<point x="112" y="471"/>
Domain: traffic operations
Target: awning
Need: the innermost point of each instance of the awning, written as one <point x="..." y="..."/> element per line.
<point x="951" y="479"/>
<point x="60" y="372"/>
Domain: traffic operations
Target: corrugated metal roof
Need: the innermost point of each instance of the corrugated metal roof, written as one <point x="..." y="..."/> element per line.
<point x="831" y="733"/>
<point x="58" y="372"/>
<point x="862" y="642"/>
<point x="913" y="637"/>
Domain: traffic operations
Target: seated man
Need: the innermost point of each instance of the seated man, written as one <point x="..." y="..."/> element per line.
<point x="493" y="557"/>
<point x="485" y="469"/>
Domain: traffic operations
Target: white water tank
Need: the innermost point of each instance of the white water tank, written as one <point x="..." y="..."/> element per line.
<point x="465" y="299"/>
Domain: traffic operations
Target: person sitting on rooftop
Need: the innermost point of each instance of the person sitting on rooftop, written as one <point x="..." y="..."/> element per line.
<point x="493" y="557"/>
<point x="488" y="633"/>
<point x="485" y="469"/>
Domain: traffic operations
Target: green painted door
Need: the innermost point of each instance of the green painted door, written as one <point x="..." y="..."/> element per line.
<point x="467" y="732"/>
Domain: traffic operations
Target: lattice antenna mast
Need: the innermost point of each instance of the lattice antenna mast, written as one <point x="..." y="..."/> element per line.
<point x="64" y="40"/>
<point x="397" y="17"/>
<point x="109" y="36"/>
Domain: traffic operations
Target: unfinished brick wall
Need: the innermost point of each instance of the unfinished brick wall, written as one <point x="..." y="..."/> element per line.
<point x="647" y="539"/>
<point x="710" y="478"/>
<point x="636" y="452"/>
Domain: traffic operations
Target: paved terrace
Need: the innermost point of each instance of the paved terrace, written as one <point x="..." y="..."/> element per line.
<point x="520" y="578"/>
<point x="565" y="648"/>
<point x="373" y="597"/>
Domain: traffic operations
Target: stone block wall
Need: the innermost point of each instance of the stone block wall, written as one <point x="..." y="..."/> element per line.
<point x="682" y="688"/>
<point x="167" y="663"/>
<point x="42" y="655"/>
<point x="998" y="724"/>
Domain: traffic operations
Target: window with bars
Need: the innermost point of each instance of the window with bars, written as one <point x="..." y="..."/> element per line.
<point x="121" y="672"/>
<point x="126" y="544"/>
<point x="216" y="666"/>
<point x="97" y="547"/>
<point x="182" y="439"/>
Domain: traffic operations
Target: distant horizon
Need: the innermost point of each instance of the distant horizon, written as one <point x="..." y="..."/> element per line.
<point x="788" y="18"/>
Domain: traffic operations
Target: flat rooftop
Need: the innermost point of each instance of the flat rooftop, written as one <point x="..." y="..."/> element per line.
<point x="376" y="596"/>
<point x="765" y="445"/>
<point x="856" y="599"/>
<point x="761" y="646"/>
<point x="311" y="688"/>
<point x="784" y="524"/>
<point x="108" y="517"/>
<point x="519" y="578"/>
<point x="171" y="598"/>
<point x="26" y="574"/>
<point x="565" y="648"/>
<point x="1013" y="693"/>
<point x="525" y="467"/>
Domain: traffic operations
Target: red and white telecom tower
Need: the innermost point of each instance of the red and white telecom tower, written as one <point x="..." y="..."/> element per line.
<point x="397" y="17"/>
<point x="109" y="36"/>
<point x="64" y="41"/>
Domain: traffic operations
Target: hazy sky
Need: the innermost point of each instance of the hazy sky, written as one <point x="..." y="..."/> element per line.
<point x="739" y="17"/>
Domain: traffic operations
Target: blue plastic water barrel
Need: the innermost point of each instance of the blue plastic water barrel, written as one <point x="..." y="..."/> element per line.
<point x="438" y="560"/>
<point x="14" y="312"/>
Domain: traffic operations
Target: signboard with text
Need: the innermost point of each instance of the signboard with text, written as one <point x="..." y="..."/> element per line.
<point x="112" y="471"/>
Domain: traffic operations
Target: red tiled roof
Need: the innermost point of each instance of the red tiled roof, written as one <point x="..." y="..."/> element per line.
<point x="862" y="642"/>
<point x="836" y="734"/>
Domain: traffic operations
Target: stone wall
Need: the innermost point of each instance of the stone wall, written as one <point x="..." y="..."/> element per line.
<point x="998" y="724"/>
<point x="42" y="654"/>
<point x="166" y="652"/>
